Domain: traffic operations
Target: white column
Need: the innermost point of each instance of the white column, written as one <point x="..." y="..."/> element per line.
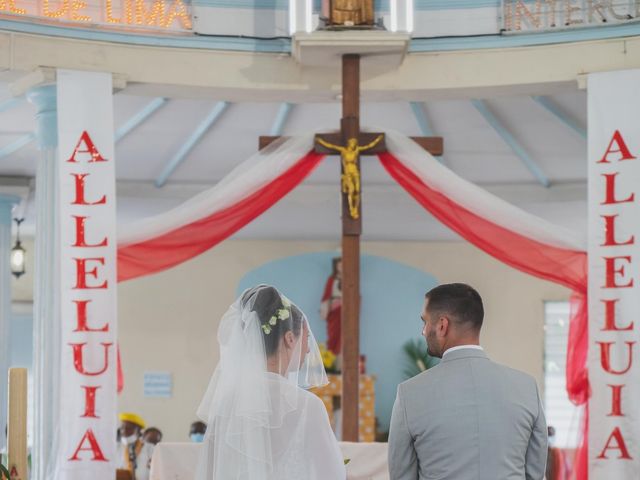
<point x="401" y="15"/>
<point x="46" y="343"/>
<point x="301" y="16"/>
<point x="7" y="202"/>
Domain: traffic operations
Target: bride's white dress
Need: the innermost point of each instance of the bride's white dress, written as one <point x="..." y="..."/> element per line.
<point x="303" y="447"/>
<point x="263" y="425"/>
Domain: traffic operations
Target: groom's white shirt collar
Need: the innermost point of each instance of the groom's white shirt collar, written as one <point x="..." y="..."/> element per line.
<point x="461" y="347"/>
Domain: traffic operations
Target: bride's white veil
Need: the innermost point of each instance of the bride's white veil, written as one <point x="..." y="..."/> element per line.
<point x="267" y="354"/>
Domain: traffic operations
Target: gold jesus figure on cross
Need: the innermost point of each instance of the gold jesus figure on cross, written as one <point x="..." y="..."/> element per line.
<point x="350" y="142"/>
<point x="350" y="178"/>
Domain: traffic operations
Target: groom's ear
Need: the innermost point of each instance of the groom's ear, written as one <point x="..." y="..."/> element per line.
<point x="444" y="326"/>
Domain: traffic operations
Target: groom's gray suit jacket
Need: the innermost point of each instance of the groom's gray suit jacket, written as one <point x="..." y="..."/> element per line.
<point x="468" y="418"/>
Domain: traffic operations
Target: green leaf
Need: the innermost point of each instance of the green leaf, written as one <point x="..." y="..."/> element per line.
<point x="417" y="358"/>
<point x="4" y="473"/>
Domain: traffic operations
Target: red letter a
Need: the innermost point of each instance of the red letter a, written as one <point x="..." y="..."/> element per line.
<point x="622" y="149"/>
<point x="620" y="445"/>
<point x="93" y="447"/>
<point x="89" y="148"/>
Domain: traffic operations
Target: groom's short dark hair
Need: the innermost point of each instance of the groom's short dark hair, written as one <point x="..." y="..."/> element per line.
<point x="458" y="301"/>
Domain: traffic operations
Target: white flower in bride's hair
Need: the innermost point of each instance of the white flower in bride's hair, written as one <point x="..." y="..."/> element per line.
<point x="283" y="314"/>
<point x="286" y="302"/>
<point x="273" y="320"/>
<point x="266" y="329"/>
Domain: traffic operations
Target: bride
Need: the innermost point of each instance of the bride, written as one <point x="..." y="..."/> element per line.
<point x="263" y="424"/>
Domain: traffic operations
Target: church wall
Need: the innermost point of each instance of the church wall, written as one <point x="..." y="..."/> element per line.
<point x="167" y="322"/>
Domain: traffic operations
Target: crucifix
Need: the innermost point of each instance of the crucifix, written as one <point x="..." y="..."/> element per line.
<point x="351" y="143"/>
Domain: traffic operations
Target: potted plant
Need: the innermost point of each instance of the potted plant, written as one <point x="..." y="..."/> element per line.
<point x="417" y="358"/>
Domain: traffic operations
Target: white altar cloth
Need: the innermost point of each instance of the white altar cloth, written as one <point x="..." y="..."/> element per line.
<point x="177" y="461"/>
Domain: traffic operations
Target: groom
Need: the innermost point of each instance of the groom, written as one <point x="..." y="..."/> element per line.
<point x="468" y="418"/>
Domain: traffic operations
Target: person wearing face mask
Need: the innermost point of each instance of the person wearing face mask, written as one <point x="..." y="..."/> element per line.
<point x="197" y="431"/>
<point x="152" y="435"/>
<point x="133" y="454"/>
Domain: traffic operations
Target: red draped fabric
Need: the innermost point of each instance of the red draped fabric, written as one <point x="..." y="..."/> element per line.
<point x="564" y="266"/>
<point x="186" y="242"/>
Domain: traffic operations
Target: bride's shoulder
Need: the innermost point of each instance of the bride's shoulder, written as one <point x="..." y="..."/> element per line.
<point x="312" y="401"/>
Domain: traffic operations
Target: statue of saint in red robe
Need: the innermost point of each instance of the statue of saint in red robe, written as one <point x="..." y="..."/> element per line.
<point x="331" y="307"/>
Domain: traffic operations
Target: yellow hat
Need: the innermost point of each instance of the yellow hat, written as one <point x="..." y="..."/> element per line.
<point x="133" y="418"/>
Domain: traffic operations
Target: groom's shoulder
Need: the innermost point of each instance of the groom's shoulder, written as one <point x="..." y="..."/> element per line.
<point x="439" y="375"/>
<point x="425" y="378"/>
<point x="514" y="375"/>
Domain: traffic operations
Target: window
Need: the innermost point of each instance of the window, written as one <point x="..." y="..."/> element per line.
<point x="563" y="415"/>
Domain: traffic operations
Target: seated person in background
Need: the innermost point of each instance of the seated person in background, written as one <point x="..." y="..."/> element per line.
<point x="133" y="454"/>
<point x="197" y="431"/>
<point x="152" y="435"/>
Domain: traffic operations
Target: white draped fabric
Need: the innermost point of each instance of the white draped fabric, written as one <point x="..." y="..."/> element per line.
<point x="249" y="176"/>
<point x="476" y="199"/>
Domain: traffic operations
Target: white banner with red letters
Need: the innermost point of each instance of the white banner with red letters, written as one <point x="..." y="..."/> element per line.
<point x="85" y="441"/>
<point x="614" y="283"/>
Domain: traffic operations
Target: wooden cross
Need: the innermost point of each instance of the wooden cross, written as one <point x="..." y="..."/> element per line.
<point x="351" y="143"/>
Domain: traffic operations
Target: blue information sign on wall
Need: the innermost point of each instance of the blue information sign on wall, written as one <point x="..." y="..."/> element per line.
<point x="157" y="384"/>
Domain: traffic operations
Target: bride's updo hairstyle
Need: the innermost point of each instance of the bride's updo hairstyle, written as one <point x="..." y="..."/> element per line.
<point x="276" y="314"/>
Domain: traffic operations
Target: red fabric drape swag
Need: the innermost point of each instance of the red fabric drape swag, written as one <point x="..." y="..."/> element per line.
<point x="182" y="244"/>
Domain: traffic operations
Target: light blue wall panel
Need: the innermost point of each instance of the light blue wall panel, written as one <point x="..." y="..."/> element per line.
<point x="21" y="354"/>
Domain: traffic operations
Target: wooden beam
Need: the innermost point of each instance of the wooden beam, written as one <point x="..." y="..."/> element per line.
<point x="351" y="230"/>
<point x="419" y="111"/>
<point x="363" y="139"/>
<point x="265" y="140"/>
<point x="433" y="145"/>
<point x="350" y="338"/>
<point x="17" y="427"/>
